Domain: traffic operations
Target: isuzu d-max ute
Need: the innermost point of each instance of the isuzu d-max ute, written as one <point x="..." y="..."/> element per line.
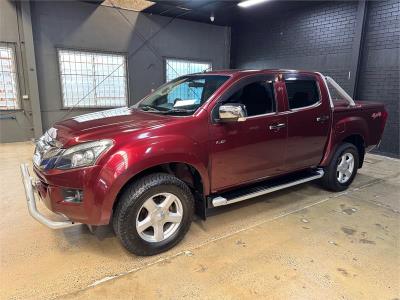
<point x="200" y="141"/>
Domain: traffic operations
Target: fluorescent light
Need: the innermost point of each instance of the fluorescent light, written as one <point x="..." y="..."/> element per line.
<point x="250" y="3"/>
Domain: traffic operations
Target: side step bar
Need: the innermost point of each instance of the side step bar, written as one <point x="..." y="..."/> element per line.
<point x="266" y="188"/>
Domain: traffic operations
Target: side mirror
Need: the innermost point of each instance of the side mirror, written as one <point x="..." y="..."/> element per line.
<point x="232" y="112"/>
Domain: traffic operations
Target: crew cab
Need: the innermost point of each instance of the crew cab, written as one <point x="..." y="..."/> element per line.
<point x="200" y="141"/>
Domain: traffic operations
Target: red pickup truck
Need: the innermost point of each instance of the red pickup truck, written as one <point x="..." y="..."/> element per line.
<point x="200" y="141"/>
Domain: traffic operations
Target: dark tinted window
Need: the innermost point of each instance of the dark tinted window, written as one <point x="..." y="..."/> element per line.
<point x="302" y="93"/>
<point x="258" y="97"/>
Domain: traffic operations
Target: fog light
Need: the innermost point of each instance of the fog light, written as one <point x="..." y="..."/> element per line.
<point x="72" y="195"/>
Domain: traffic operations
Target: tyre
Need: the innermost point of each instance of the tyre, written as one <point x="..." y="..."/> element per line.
<point x="342" y="169"/>
<point x="153" y="214"/>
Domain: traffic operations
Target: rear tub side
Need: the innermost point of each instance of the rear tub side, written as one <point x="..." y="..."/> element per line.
<point x="365" y="122"/>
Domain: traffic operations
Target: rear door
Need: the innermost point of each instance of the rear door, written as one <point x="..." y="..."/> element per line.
<point x="247" y="151"/>
<point x="308" y="121"/>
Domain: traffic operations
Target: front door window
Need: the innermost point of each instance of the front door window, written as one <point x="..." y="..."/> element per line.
<point x="258" y="98"/>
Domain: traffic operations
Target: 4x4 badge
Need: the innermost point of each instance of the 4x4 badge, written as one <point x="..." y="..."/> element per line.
<point x="376" y="115"/>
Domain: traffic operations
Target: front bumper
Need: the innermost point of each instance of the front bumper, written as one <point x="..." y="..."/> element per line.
<point x="30" y="188"/>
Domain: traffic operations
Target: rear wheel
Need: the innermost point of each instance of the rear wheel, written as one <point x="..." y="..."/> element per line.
<point x="342" y="169"/>
<point x="154" y="214"/>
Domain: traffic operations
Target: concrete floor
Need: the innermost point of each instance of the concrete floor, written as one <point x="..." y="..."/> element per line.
<point x="301" y="243"/>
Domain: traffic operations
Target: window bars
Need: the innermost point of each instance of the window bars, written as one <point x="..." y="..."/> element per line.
<point x="179" y="67"/>
<point x="92" y="79"/>
<point x="8" y="79"/>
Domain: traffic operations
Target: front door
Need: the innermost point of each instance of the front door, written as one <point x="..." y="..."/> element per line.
<point x="242" y="152"/>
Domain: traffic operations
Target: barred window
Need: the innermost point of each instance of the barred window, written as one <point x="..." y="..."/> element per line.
<point x="92" y="79"/>
<point x="8" y="79"/>
<point x="179" y="67"/>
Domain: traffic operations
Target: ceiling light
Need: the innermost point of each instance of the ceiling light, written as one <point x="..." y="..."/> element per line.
<point x="212" y="18"/>
<point x="250" y="3"/>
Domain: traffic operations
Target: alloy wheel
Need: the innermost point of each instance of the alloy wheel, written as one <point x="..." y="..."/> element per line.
<point x="159" y="217"/>
<point x="345" y="167"/>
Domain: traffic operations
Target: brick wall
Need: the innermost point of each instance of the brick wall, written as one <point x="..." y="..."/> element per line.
<point x="320" y="36"/>
<point x="379" y="71"/>
<point x="317" y="36"/>
<point x="319" y="30"/>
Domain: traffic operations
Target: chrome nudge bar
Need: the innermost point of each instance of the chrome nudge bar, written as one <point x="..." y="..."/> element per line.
<point x="29" y="186"/>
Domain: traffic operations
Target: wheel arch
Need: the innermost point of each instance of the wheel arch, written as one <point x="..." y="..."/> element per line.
<point x="186" y="172"/>
<point x="358" y="141"/>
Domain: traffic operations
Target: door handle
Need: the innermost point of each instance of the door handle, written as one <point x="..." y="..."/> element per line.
<point x="277" y="126"/>
<point x="322" y="118"/>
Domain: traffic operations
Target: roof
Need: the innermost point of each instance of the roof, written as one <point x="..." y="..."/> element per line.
<point x="231" y="72"/>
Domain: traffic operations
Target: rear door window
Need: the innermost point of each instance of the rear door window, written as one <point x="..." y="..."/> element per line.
<point x="301" y="93"/>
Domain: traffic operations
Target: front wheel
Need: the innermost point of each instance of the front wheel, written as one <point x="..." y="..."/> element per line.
<point x="154" y="214"/>
<point x="342" y="169"/>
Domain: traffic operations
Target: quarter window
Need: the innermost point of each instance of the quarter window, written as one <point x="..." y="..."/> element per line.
<point x="8" y="79"/>
<point x="301" y="93"/>
<point x="92" y="79"/>
<point x="258" y="98"/>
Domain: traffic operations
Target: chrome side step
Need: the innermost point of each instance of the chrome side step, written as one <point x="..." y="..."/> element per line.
<point x="269" y="187"/>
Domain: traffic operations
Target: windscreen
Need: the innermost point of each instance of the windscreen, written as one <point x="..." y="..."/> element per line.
<point x="182" y="96"/>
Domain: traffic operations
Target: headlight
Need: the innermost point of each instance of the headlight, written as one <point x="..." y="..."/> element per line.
<point x="82" y="155"/>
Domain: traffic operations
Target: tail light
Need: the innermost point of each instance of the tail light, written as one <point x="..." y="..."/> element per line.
<point x="384" y="118"/>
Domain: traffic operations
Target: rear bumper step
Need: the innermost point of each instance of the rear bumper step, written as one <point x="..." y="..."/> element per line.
<point x="266" y="187"/>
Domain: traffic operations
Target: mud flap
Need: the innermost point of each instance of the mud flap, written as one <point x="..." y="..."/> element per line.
<point x="200" y="206"/>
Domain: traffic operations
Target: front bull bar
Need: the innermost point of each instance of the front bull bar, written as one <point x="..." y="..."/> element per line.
<point x="30" y="187"/>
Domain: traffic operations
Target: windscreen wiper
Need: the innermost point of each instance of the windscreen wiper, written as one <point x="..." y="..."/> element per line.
<point x="149" y="108"/>
<point x="177" y="110"/>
